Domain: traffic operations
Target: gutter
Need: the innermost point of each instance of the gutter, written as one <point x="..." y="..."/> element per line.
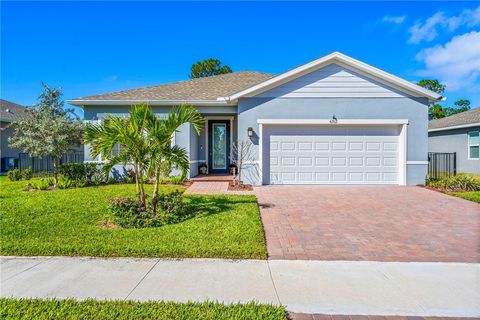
<point x="461" y="126"/>
<point x="81" y="103"/>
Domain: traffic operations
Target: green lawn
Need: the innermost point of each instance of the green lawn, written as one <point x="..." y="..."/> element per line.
<point x="472" y="196"/>
<point x="69" y="222"/>
<point x="90" y="309"/>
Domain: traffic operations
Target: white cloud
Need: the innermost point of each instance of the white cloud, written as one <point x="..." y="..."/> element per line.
<point x="456" y="63"/>
<point x="394" y="19"/>
<point x="429" y="29"/>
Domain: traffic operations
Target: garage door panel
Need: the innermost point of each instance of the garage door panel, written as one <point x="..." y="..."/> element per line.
<point x="305" y="161"/>
<point x="335" y="155"/>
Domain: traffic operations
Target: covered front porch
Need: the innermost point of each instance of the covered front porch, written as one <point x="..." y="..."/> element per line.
<point x="211" y="153"/>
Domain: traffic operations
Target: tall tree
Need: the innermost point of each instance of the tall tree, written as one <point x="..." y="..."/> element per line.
<point x="436" y="110"/>
<point x="49" y="130"/>
<point x="208" y="67"/>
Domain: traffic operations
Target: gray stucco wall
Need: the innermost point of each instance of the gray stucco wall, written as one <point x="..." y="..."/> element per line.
<point x="186" y="137"/>
<point x="5" y="150"/>
<point x="455" y="141"/>
<point x="415" y="110"/>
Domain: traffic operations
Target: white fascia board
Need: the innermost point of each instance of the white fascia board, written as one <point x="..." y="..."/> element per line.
<point x="80" y="103"/>
<point x="336" y="57"/>
<point x="328" y="121"/>
<point x="469" y="125"/>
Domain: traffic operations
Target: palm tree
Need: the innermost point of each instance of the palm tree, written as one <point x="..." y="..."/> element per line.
<point x="130" y="134"/>
<point x="145" y="142"/>
<point x="163" y="154"/>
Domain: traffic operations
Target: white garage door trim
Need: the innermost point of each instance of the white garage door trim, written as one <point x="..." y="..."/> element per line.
<point x="402" y="173"/>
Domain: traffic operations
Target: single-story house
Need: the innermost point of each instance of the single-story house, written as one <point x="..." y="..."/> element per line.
<point x="458" y="134"/>
<point x="9" y="112"/>
<point x="334" y="120"/>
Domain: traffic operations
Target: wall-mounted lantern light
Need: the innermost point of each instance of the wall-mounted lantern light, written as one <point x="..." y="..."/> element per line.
<point x="250" y="132"/>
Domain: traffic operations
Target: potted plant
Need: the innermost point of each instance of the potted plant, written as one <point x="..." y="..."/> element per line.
<point x="203" y="168"/>
<point x="233" y="169"/>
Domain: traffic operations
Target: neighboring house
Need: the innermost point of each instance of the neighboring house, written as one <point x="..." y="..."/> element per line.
<point x="334" y="120"/>
<point x="458" y="134"/>
<point x="9" y="112"/>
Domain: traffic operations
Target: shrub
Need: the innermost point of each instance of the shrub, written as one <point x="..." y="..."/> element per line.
<point x="131" y="174"/>
<point x="461" y="182"/>
<point x="80" y="183"/>
<point x="127" y="179"/>
<point x="72" y="171"/>
<point x="173" y="208"/>
<point x="64" y="183"/>
<point x="50" y="181"/>
<point x="27" y="173"/>
<point x="111" y="180"/>
<point x="76" y="171"/>
<point x="96" y="182"/>
<point x="14" y="175"/>
<point x="177" y="179"/>
<point x="126" y="211"/>
<point x="93" y="170"/>
<point x="41" y="184"/>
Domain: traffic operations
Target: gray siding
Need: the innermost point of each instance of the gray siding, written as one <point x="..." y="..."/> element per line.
<point x="332" y="81"/>
<point x="455" y="141"/>
<point x="5" y="150"/>
<point x="415" y="110"/>
<point x="186" y="137"/>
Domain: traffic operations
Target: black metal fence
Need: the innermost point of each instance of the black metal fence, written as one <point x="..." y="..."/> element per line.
<point x="442" y="164"/>
<point x="44" y="166"/>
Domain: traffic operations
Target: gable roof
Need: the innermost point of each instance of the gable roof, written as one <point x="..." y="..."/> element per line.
<point x="10" y="111"/>
<point x="466" y="119"/>
<point x="228" y="88"/>
<point x="342" y="60"/>
<point x="200" y="90"/>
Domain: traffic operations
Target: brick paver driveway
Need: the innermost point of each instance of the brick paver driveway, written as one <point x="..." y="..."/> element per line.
<point x="369" y="223"/>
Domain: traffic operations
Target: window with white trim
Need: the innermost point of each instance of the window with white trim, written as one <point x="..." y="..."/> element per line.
<point x="116" y="150"/>
<point x="473" y="145"/>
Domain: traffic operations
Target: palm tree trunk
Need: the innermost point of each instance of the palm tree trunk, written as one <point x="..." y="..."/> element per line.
<point x="139" y="186"/>
<point x="155" y="190"/>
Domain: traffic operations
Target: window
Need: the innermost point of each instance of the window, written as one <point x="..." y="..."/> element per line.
<point x="473" y="145"/>
<point x="116" y="150"/>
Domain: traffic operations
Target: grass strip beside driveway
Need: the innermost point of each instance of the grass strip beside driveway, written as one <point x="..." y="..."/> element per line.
<point x="472" y="195"/>
<point x="69" y="223"/>
<point x="90" y="309"/>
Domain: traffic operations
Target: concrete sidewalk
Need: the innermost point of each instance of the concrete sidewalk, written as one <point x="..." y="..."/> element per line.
<point x="331" y="287"/>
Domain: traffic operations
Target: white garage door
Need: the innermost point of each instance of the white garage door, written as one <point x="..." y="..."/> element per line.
<point x="333" y="154"/>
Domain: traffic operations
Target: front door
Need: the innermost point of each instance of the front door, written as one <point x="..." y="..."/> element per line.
<point x="219" y="146"/>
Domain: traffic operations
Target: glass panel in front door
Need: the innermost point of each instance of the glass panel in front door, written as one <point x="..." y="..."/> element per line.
<point x="219" y="146"/>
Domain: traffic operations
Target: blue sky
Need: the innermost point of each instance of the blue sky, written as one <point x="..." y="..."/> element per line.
<point x="97" y="47"/>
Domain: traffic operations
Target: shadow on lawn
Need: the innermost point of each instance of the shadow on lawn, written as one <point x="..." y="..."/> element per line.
<point x="200" y="206"/>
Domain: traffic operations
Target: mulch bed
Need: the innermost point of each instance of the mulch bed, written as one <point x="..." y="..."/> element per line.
<point x="239" y="187"/>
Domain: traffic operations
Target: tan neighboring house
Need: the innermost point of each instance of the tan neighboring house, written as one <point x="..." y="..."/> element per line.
<point x="9" y="112"/>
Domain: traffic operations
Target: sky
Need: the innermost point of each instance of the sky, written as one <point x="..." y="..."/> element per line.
<point x="92" y="47"/>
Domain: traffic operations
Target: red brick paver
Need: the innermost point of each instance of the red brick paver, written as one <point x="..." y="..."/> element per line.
<point x="208" y="187"/>
<point x="212" y="187"/>
<point x="369" y="223"/>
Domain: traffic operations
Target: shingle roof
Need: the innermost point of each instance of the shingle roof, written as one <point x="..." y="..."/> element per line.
<point x="208" y="88"/>
<point x="10" y="111"/>
<point x="463" y="118"/>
